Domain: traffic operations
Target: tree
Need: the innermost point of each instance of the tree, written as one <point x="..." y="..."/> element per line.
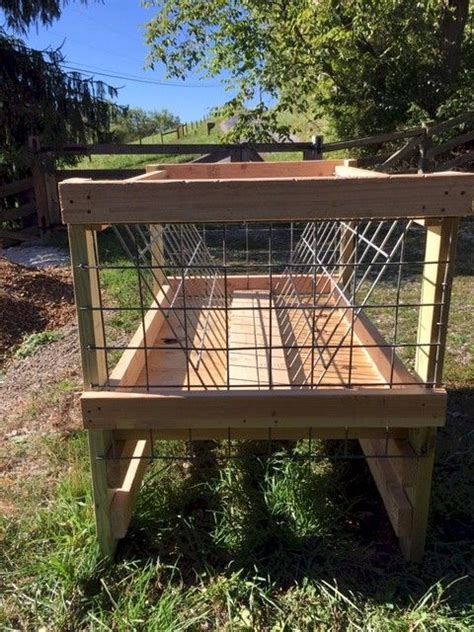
<point x="365" y="66"/>
<point x="37" y="97"/>
<point x="135" y="123"/>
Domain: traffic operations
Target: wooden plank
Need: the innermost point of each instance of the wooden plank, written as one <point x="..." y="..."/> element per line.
<point x="17" y="235"/>
<point x="40" y="193"/>
<point x="396" y="503"/>
<point x="372" y="140"/>
<point x="162" y="201"/>
<point x="83" y="247"/>
<point x="461" y="139"/>
<point x="294" y="433"/>
<point x="13" y="188"/>
<point x="16" y="213"/>
<point x="391" y="369"/>
<point x="216" y="156"/>
<point x="97" y="174"/>
<point x="459" y="161"/>
<point x="399" y="454"/>
<point x="246" y="170"/>
<point x="438" y="128"/>
<point x="347" y="171"/>
<point x="131" y="362"/>
<point x="138" y="451"/>
<point x="148" y="175"/>
<point x="52" y="198"/>
<point x="404" y="152"/>
<point x="182" y="149"/>
<point x="255" y="367"/>
<point x="407" y="407"/>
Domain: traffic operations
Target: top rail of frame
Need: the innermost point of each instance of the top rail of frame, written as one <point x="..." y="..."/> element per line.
<point x="240" y="192"/>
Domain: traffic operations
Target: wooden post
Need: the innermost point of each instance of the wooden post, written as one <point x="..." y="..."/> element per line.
<point x="82" y="242"/>
<point x="52" y="196"/>
<point x="157" y="256"/>
<point x="41" y="199"/>
<point x="46" y="192"/>
<point x="347" y="244"/>
<point x="424" y="162"/>
<point x="316" y="151"/>
<point x="347" y="248"/>
<point x="432" y="326"/>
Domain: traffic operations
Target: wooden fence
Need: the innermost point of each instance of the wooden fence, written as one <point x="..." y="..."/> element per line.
<point x="429" y="148"/>
<point x="17" y="207"/>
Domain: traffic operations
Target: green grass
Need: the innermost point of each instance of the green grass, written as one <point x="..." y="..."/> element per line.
<point x="281" y="545"/>
<point x="33" y="342"/>
<point x="197" y="135"/>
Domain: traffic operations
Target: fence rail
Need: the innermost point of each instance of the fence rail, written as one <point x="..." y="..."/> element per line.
<point x="434" y="146"/>
<point x="419" y="148"/>
<point x="17" y="204"/>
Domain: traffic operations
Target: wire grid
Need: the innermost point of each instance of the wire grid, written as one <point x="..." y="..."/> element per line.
<point x="316" y="280"/>
<point x="308" y="448"/>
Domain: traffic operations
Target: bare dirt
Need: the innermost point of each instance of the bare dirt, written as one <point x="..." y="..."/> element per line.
<point x="39" y="394"/>
<point x="32" y="301"/>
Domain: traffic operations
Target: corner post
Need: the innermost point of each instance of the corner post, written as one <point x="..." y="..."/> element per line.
<point x="82" y="243"/>
<point x="440" y="252"/>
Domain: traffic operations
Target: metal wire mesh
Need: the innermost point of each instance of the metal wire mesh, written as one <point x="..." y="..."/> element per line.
<point x="264" y="306"/>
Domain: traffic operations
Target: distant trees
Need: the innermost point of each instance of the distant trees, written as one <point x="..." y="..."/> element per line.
<point x="37" y="97"/>
<point x="363" y="66"/>
<point x="135" y="123"/>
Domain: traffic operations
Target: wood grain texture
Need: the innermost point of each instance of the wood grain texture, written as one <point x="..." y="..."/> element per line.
<point x="266" y="199"/>
<point x="408" y="407"/>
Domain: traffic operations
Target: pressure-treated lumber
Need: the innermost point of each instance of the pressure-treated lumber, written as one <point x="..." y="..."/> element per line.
<point x="130" y="365"/>
<point x="245" y="170"/>
<point x="332" y="432"/>
<point x="265" y="199"/>
<point x="136" y="455"/>
<point x="82" y="244"/>
<point x="439" y="256"/>
<point x="410" y="407"/>
<point x="396" y="503"/>
<point x="440" y="247"/>
<point x="83" y="248"/>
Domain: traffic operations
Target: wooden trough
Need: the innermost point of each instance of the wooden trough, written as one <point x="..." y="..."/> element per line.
<point x="263" y="296"/>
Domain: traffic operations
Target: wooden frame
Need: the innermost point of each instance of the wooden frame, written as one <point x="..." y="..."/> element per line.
<point x="196" y="196"/>
<point x="403" y="418"/>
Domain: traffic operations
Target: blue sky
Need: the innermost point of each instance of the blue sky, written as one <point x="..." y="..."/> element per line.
<point x="110" y="37"/>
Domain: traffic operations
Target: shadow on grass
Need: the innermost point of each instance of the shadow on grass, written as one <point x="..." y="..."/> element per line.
<point x="290" y="520"/>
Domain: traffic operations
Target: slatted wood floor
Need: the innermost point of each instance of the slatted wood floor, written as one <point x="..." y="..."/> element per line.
<point x="255" y="356"/>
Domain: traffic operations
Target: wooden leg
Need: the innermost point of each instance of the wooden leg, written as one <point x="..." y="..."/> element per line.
<point x="116" y="483"/>
<point x="100" y="443"/>
<point x="405" y="485"/>
<point x="423" y="441"/>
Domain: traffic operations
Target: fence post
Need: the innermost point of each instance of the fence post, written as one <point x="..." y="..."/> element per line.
<point x="316" y="151"/>
<point x="46" y="191"/>
<point x="424" y="162"/>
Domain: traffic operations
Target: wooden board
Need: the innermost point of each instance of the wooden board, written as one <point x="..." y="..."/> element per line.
<point x="257" y="365"/>
<point x="244" y="170"/>
<point x="265" y="199"/>
<point x="404" y="408"/>
<point x="171" y="393"/>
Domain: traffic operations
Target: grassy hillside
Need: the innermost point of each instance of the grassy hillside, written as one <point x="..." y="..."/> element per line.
<point x="197" y="135"/>
<point x="304" y="126"/>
